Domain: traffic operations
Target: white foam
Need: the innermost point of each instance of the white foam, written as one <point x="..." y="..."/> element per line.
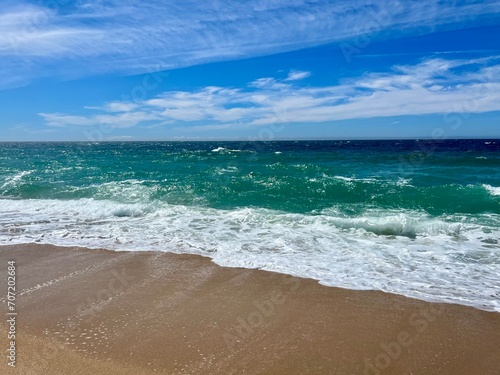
<point x="403" y="181"/>
<point x="450" y="259"/>
<point x="370" y="180"/>
<point x="228" y="150"/>
<point x="351" y="179"/>
<point x="223" y="149"/>
<point x="493" y="190"/>
<point x="14" y="180"/>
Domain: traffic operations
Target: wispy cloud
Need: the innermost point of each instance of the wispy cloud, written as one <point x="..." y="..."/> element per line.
<point x="296" y="75"/>
<point x="30" y="31"/>
<point x="121" y="120"/>
<point x="431" y="87"/>
<point x="134" y="36"/>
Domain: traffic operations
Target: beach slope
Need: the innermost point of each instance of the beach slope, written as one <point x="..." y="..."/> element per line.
<point x="84" y="311"/>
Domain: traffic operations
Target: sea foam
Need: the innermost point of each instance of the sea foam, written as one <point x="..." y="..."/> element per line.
<point x="493" y="190"/>
<point x="448" y="259"/>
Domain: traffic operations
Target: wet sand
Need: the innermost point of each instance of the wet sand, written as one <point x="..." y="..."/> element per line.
<point x="97" y="312"/>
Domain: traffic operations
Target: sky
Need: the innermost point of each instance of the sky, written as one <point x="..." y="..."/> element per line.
<point x="109" y="70"/>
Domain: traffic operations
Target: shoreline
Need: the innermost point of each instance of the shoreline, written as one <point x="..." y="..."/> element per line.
<point x="107" y="311"/>
<point x="211" y="259"/>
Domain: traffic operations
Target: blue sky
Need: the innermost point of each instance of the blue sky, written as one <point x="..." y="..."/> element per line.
<point x="147" y="70"/>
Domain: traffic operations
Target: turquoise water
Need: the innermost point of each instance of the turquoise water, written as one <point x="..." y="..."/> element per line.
<point x="418" y="218"/>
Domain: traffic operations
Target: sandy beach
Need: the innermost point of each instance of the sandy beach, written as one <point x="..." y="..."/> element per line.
<point x="96" y="312"/>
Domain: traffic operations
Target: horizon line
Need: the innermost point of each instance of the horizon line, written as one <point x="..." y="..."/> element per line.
<point x="269" y="140"/>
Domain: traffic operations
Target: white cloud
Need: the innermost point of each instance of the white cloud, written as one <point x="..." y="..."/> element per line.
<point x="431" y="87"/>
<point x="121" y="120"/>
<point x="62" y="120"/>
<point x="120" y="138"/>
<point x="28" y="32"/>
<point x="296" y="75"/>
<point x="134" y="36"/>
<point x="116" y="107"/>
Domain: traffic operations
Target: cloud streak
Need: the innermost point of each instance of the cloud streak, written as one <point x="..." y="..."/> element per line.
<point x="296" y="75"/>
<point x="434" y="86"/>
<point x="129" y="37"/>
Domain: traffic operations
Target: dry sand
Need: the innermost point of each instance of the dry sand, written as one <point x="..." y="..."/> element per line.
<point x="97" y="312"/>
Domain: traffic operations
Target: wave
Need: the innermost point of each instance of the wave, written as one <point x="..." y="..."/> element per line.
<point x="447" y="258"/>
<point x="352" y="179"/>
<point x="275" y="185"/>
<point x="228" y="150"/>
<point x="399" y="225"/>
<point x="14" y="180"/>
<point x="493" y="190"/>
<point x="370" y="180"/>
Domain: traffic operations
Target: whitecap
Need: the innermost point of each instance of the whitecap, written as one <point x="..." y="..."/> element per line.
<point x="493" y="190"/>
<point x="14" y="180"/>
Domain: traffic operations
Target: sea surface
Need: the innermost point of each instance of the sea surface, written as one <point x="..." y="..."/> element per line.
<point x="417" y="218"/>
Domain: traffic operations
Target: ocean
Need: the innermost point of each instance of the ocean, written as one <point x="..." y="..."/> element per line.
<point x="416" y="218"/>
